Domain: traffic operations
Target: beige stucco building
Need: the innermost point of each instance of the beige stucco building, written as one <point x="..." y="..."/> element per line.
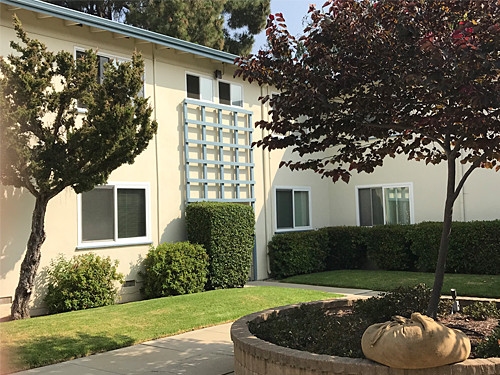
<point x="202" y="150"/>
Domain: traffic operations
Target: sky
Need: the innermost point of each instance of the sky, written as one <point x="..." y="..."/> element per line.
<point x="293" y="12"/>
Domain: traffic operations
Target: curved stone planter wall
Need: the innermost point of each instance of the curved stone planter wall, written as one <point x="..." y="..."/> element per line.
<point x="253" y="356"/>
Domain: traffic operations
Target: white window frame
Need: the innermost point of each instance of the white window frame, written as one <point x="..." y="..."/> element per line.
<point x="409" y="185"/>
<point x="186" y="73"/>
<point x="116" y="60"/>
<point x="231" y="84"/>
<point x="117" y="241"/>
<point x="275" y="208"/>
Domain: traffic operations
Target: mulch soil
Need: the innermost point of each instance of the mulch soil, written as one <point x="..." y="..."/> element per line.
<point x="476" y="330"/>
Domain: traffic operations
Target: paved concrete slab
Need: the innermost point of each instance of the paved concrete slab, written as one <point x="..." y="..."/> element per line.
<point x="346" y="291"/>
<point x="207" y="351"/>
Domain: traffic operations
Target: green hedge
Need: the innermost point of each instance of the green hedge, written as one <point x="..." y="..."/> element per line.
<point x="173" y="269"/>
<point x="346" y="247"/>
<point x="474" y="248"/>
<point x="226" y="230"/>
<point x="298" y="253"/>
<point x="389" y="247"/>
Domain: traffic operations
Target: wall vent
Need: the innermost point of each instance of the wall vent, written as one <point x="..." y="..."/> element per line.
<point x="5" y="300"/>
<point x="129" y="283"/>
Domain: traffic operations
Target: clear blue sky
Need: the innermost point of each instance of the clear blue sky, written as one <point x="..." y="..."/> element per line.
<point x="293" y="12"/>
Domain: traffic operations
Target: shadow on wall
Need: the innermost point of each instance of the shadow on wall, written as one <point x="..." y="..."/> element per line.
<point x="16" y="207"/>
<point x="176" y="229"/>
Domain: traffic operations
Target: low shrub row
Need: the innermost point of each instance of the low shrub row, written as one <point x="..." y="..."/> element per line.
<point x="219" y="256"/>
<point x="474" y="248"/>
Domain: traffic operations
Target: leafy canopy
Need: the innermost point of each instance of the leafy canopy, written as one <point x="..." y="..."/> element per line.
<point x="228" y="25"/>
<point x="375" y="79"/>
<point x="44" y="145"/>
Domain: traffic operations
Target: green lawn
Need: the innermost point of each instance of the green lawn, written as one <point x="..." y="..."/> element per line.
<point x="466" y="285"/>
<point x="54" y="338"/>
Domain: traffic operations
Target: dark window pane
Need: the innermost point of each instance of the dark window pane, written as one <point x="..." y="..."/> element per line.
<point x="131" y="213"/>
<point x="224" y="93"/>
<point x="100" y="68"/>
<point x="365" y="207"/>
<point x="98" y="215"/>
<point x="284" y="209"/>
<point x="193" y="86"/>
<point x="377" y="206"/>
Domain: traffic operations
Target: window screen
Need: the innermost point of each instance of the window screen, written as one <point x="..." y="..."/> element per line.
<point x="236" y="96"/>
<point x="131" y="213"/>
<point x="98" y="215"/>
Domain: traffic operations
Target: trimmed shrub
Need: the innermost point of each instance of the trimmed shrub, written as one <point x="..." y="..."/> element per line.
<point x="174" y="268"/>
<point x="474" y="247"/>
<point x="389" y="247"/>
<point x="297" y="253"/>
<point x="425" y="238"/>
<point x="491" y="346"/>
<point x="226" y="230"/>
<point x="82" y="282"/>
<point x="346" y="247"/>
<point x="482" y="310"/>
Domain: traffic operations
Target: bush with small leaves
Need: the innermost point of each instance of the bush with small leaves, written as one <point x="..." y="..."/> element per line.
<point x="173" y="269"/>
<point x="482" y="310"/>
<point x="82" y="282"/>
<point x="490" y="347"/>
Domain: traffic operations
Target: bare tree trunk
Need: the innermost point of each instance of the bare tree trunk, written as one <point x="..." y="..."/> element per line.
<point x="29" y="267"/>
<point x="445" y="240"/>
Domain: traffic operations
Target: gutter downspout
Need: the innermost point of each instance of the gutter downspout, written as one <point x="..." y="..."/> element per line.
<point x="266" y="172"/>
<point x="153" y="48"/>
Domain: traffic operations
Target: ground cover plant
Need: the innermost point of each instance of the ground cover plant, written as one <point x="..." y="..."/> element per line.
<point x="314" y="328"/>
<point x="466" y="285"/>
<point x="49" y="339"/>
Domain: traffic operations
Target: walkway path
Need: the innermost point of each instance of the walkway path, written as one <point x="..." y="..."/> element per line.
<point x="207" y="351"/>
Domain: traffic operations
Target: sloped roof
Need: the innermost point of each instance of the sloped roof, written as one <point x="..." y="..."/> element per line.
<point x="120" y="28"/>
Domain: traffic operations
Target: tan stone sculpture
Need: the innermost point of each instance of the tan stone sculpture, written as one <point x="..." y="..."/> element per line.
<point x="419" y="342"/>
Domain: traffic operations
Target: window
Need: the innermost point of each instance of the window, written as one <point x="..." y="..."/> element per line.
<point x="230" y="94"/>
<point x="101" y="61"/>
<point x="114" y="214"/>
<point x="293" y="208"/>
<point x="199" y="87"/>
<point x="385" y="204"/>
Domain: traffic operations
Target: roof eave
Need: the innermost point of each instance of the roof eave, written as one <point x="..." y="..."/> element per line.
<point x="126" y="30"/>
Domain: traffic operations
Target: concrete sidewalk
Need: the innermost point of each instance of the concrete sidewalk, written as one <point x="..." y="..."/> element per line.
<point x="207" y="351"/>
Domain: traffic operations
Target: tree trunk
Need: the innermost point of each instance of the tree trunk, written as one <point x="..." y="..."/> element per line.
<point x="445" y="240"/>
<point x="29" y="267"/>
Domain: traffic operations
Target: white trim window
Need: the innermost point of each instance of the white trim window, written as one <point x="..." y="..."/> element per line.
<point x="199" y="87"/>
<point x="114" y="214"/>
<point x="230" y="94"/>
<point x="292" y="208"/>
<point x="102" y="59"/>
<point x="384" y="204"/>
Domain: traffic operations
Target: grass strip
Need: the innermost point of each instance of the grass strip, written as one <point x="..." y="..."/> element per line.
<point x="466" y="285"/>
<point x="55" y="338"/>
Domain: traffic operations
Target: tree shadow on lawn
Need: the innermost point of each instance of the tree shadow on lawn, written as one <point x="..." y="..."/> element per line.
<point x="46" y="350"/>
